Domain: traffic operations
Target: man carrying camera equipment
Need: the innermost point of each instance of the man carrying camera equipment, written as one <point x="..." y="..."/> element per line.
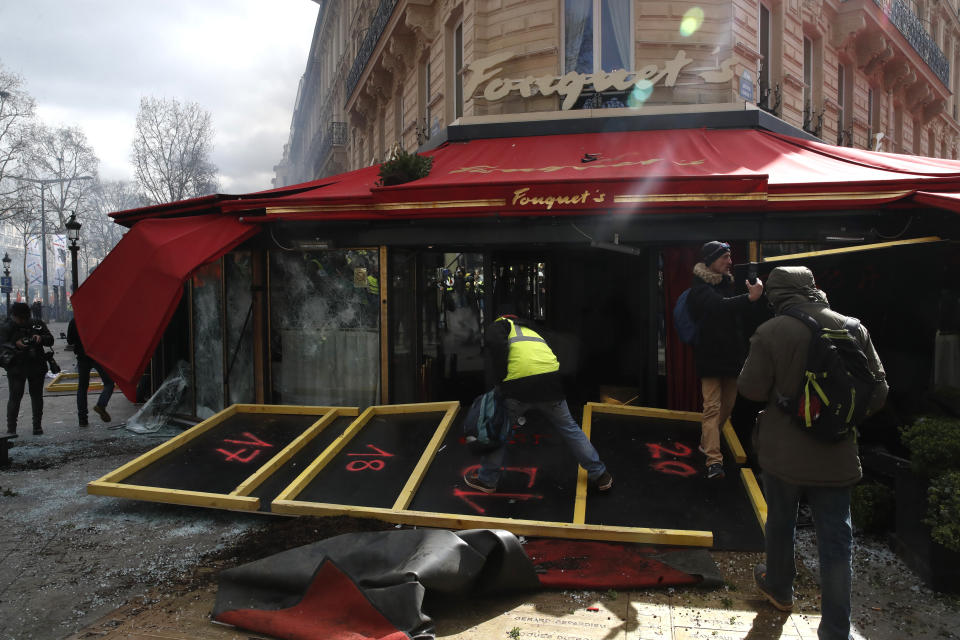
<point x="84" y="364"/>
<point x="22" y="344"/>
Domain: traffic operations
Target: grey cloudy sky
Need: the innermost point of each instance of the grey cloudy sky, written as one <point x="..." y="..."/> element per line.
<point x="88" y="62"/>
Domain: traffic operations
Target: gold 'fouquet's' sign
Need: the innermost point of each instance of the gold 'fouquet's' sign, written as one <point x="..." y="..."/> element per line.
<point x="484" y="72"/>
<point x="521" y="198"/>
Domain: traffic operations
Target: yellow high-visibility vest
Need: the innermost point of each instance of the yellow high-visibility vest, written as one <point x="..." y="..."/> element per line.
<point x="529" y="354"/>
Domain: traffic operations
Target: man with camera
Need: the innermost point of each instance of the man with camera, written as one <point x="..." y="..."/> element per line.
<point x="24" y="357"/>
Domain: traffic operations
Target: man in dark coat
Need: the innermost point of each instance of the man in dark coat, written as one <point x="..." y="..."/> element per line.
<point x="84" y="364"/>
<point x="721" y="346"/>
<point x="25" y="340"/>
<point x="794" y="462"/>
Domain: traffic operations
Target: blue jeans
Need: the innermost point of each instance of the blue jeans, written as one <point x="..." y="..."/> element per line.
<point x="84" y="365"/>
<point x="831" y="518"/>
<point x="559" y="416"/>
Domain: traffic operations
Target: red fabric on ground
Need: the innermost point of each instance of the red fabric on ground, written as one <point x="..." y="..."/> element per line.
<point x="579" y="564"/>
<point x="332" y="609"/>
<point x="123" y="308"/>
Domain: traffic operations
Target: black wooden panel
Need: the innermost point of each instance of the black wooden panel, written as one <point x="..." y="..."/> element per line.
<point x="540" y="481"/>
<point x="374" y="466"/>
<point x="659" y="482"/>
<point x="222" y="458"/>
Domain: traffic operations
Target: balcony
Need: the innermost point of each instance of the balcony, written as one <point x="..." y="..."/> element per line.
<point x="908" y="24"/>
<point x="334" y="136"/>
<point x="374" y="31"/>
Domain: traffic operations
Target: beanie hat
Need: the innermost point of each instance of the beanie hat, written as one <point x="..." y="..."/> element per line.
<point x="20" y="309"/>
<point x="713" y="250"/>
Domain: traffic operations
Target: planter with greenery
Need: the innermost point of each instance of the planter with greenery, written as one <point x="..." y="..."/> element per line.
<point x="927" y="532"/>
<point x="403" y="167"/>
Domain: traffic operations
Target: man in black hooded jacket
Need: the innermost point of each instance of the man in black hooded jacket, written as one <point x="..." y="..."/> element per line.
<point x="721" y="346"/>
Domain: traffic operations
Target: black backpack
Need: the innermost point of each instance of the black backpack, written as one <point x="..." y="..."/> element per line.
<point x="837" y="383"/>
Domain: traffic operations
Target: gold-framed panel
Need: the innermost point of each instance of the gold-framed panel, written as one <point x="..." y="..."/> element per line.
<point x="112" y="484"/>
<point x="70" y="381"/>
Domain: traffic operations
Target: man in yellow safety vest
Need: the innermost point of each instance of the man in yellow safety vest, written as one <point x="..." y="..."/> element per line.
<point x="528" y="374"/>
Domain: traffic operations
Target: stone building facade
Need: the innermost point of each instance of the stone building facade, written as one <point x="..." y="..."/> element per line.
<point x="871" y="74"/>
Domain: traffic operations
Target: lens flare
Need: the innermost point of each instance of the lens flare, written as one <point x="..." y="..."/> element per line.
<point x="640" y="93"/>
<point x="691" y="22"/>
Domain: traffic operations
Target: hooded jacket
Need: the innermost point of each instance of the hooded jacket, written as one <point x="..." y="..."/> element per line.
<point x="721" y="346"/>
<point x="775" y="364"/>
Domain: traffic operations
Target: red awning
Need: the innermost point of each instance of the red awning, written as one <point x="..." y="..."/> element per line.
<point x="948" y="201"/>
<point x="125" y="305"/>
<point x="618" y="173"/>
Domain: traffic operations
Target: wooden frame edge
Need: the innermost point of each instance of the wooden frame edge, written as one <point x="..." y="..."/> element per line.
<point x="307" y="475"/>
<point x="733" y="442"/>
<point x="646" y="412"/>
<point x="676" y="537"/>
<point x="426" y="458"/>
<point x="283" y="456"/>
<point x="757" y="501"/>
<point x="173" y="496"/>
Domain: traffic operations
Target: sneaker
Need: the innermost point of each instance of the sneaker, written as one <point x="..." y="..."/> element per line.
<point x="37" y="431"/>
<point x="760" y="577"/>
<point x="473" y="480"/>
<point x="84" y="423"/>
<point x="604" y="482"/>
<point x="102" y="412"/>
<point x="715" y="472"/>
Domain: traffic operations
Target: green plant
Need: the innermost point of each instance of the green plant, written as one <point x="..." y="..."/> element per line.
<point x="726" y="602"/>
<point x="943" y="509"/>
<point x="404" y="167"/>
<point x="934" y="444"/>
<point x="872" y="506"/>
<point x="514" y="633"/>
<point x="612" y="594"/>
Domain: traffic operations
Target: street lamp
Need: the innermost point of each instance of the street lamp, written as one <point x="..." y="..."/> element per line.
<point x="73" y="234"/>
<point x="6" y="274"/>
<point x="43" y="182"/>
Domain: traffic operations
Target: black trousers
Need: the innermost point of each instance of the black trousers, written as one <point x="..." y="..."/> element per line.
<point x="17" y="384"/>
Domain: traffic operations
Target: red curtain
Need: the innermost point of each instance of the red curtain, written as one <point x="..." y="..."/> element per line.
<point x="683" y="387"/>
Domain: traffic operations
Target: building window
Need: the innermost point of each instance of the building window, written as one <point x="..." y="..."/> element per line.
<point x="845" y="101"/>
<point x="769" y="71"/>
<point x="458" y="71"/>
<point x="423" y="102"/>
<point x="398" y="118"/>
<point x="597" y="35"/>
<point x="916" y="137"/>
<point x="807" y="77"/>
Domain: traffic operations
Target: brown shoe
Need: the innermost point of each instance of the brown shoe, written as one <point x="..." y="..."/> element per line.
<point x="102" y="412"/>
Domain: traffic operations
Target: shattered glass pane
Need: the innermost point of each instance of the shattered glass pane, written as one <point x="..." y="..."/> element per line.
<point x="165" y="403"/>
<point x="238" y="267"/>
<point x="208" y="339"/>
<point x="325" y="327"/>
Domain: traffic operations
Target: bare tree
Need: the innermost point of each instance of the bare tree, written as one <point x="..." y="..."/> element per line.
<point x="65" y="160"/>
<point x="16" y="111"/>
<point x="22" y="217"/>
<point x="99" y="233"/>
<point x="171" y="150"/>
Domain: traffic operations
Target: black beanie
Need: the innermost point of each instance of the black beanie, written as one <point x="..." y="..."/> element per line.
<point x="20" y="309"/>
<point x="713" y="250"/>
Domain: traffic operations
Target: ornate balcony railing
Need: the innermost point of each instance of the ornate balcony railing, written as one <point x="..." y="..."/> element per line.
<point x="335" y="135"/>
<point x="374" y="31"/>
<point x="913" y="30"/>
